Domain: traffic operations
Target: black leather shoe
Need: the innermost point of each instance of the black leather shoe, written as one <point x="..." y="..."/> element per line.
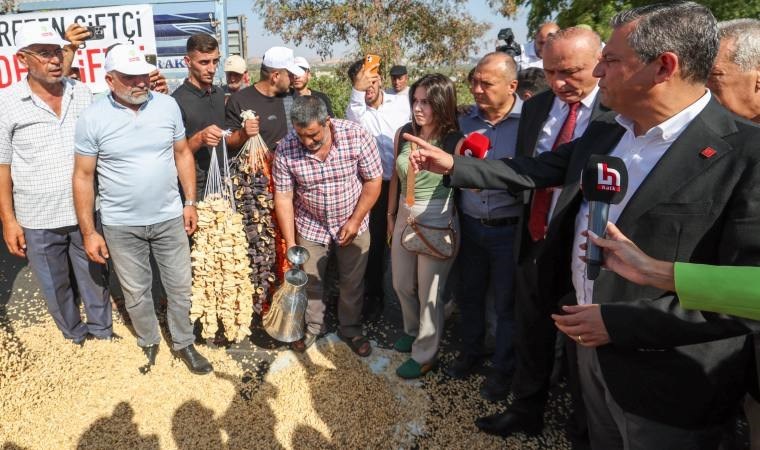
<point x="463" y="366"/>
<point x="194" y="360"/>
<point x="509" y="422"/>
<point x="495" y="387"/>
<point x="150" y="352"/>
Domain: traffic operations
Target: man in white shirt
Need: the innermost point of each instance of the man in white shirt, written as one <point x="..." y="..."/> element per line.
<point x="381" y="114"/>
<point x="531" y="55"/>
<point x="653" y="374"/>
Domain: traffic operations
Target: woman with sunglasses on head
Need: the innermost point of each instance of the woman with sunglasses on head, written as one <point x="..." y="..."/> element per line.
<point x="422" y="253"/>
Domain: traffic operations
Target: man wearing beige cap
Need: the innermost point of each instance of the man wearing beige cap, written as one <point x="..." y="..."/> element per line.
<point x="268" y="97"/>
<point x="300" y="85"/>
<point x="236" y="74"/>
<point x="36" y="206"/>
<point x="135" y="140"/>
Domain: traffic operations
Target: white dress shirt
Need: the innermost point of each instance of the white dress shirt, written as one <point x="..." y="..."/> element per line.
<point x="382" y="123"/>
<point x="553" y="125"/>
<point x="640" y="154"/>
<point x="528" y="57"/>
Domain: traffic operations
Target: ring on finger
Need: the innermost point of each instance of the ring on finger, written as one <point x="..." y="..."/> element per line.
<point x="580" y="339"/>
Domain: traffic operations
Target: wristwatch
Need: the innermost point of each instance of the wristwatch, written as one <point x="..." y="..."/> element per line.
<point x="191" y="203"/>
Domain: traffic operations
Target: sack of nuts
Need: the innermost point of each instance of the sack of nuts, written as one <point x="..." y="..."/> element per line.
<point x="222" y="289"/>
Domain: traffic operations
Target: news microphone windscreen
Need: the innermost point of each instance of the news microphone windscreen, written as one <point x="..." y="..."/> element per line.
<point x="605" y="179"/>
<point x="476" y="145"/>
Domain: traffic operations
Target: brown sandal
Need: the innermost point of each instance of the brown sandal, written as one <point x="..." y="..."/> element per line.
<point x="358" y="344"/>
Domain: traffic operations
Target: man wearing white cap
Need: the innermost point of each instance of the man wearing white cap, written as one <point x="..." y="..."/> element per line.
<point x="268" y="97"/>
<point x="36" y="206"/>
<point x="236" y="74"/>
<point x="135" y="140"/>
<point x="301" y="84"/>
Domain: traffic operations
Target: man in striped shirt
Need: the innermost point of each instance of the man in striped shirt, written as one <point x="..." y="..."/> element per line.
<point x="327" y="176"/>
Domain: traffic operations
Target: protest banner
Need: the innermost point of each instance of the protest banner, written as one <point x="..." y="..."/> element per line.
<point x="131" y="24"/>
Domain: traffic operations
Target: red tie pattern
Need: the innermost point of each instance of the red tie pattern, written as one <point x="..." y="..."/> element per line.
<point x="542" y="198"/>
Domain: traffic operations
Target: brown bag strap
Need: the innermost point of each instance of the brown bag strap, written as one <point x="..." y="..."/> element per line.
<point x="426" y="242"/>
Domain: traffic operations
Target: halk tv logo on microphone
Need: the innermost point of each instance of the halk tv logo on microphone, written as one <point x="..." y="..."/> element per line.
<point x="608" y="179"/>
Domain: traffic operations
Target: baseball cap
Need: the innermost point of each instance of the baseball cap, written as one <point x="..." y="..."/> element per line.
<point x="127" y="59"/>
<point x="397" y="71"/>
<point x="302" y="63"/>
<point x="235" y="63"/>
<point x="282" y="58"/>
<point x="38" y="33"/>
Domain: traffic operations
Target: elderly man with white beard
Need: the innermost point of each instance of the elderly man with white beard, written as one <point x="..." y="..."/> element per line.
<point x="135" y="140"/>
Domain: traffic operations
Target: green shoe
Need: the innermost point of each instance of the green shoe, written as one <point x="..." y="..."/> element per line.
<point x="412" y="369"/>
<point x="404" y="344"/>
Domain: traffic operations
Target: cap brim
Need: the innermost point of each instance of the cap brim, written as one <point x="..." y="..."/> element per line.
<point x="295" y="70"/>
<point x="47" y="41"/>
<point x="137" y="68"/>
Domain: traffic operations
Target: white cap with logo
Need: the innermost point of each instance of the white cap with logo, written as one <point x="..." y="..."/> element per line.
<point x="235" y="63"/>
<point x="127" y="59"/>
<point x="282" y="58"/>
<point x="302" y="63"/>
<point x="38" y="33"/>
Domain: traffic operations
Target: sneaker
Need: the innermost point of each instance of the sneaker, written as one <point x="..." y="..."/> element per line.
<point x="412" y="369"/>
<point x="404" y="344"/>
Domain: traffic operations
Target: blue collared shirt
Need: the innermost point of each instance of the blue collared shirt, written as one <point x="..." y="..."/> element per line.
<point x="137" y="175"/>
<point x="490" y="203"/>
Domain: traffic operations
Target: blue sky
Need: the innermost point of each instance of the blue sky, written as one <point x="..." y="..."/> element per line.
<point x="259" y="40"/>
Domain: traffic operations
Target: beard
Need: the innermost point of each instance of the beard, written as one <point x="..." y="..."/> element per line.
<point x="136" y="98"/>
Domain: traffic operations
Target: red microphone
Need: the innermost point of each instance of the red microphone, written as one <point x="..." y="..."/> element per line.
<point x="476" y="145"/>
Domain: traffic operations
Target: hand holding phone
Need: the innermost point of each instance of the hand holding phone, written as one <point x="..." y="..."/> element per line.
<point x="372" y="64"/>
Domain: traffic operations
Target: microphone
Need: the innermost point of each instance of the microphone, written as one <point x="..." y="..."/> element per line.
<point x="604" y="182"/>
<point x="476" y="145"/>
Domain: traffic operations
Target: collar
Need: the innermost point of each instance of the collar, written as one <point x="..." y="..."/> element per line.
<point x="587" y="102"/>
<point x="514" y="113"/>
<point x="26" y="91"/>
<point x="198" y="91"/>
<point x="674" y="126"/>
<point x="120" y="106"/>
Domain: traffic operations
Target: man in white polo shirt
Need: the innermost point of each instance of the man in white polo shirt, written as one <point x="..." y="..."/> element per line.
<point x="135" y="141"/>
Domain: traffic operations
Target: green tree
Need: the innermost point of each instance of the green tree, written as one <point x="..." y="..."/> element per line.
<point x="597" y="13"/>
<point x="423" y="32"/>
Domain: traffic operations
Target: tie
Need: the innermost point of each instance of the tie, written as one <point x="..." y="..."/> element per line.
<point x="542" y="198"/>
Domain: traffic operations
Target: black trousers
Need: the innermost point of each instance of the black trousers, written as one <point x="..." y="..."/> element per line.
<point x="378" y="225"/>
<point x="535" y="343"/>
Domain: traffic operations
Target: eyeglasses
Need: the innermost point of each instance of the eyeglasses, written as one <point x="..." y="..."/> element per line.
<point x="46" y="54"/>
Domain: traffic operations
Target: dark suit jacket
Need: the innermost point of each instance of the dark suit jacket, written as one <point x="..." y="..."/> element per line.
<point x="685" y="368"/>
<point x="534" y="114"/>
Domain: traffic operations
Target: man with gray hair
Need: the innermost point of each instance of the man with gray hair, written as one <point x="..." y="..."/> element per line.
<point x="653" y="374"/>
<point x="327" y="175"/>
<point x="735" y="77"/>
<point x="135" y="141"/>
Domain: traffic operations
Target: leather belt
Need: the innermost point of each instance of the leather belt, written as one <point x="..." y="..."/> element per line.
<point x="501" y="222"/>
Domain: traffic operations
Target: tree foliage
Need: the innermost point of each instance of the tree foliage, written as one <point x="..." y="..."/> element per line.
<point x="597" y="13"/>
<point x="422" y="32"/>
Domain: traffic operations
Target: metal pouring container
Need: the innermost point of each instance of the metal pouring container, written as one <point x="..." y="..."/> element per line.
<point x="285" y="319"/>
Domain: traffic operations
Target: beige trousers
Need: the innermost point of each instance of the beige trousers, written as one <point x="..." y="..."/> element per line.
<point x="419" y="280"/>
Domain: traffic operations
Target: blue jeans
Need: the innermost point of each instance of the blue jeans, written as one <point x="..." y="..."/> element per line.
<point x="130" y="248"/>
<point x="486" y="260"/>
<point x="59" y="263"/>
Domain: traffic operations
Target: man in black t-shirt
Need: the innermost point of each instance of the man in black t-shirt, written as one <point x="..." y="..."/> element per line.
<point x="301" y="84"/>
<point x="268" y="97"/>
<point x="201" y="103"/>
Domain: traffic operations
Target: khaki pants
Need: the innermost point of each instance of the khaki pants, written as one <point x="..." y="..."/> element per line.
<point x="352" y="262"/>
<point x="419" y="280"/>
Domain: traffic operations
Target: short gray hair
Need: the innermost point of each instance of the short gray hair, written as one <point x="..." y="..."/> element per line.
<point x="308" y="109"/>
<point x="745" y="37"/>
<point x="507" y="66"/>
<point x="687" y="29"/>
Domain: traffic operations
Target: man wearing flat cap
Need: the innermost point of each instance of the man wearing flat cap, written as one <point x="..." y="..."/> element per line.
<point x="399" y="81"/>
<point x="135" y="140"/>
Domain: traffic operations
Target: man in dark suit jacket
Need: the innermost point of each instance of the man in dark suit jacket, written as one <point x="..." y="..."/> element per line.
<point x="570" y="57"/>
<point x="653" y="374"/>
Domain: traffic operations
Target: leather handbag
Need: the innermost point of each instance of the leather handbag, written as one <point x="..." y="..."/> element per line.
<point x="438" y="242"/>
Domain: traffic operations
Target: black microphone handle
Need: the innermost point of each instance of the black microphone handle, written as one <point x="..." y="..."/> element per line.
<point x="598" y="212"/>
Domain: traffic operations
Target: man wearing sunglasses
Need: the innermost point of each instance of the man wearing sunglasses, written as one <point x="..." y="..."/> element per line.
<point x="36" y="165"/>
